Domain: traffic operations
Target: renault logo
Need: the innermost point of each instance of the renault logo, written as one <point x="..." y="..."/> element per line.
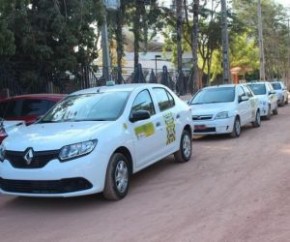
<point x="28" y="156"/>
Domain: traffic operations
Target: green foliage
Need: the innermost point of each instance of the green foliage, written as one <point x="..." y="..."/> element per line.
<point x="50" y="37"/>
<point x="275" y="32"/>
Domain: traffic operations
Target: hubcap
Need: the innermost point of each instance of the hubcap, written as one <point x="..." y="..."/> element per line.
<point x="186" y="146"/>
<point x="238" y="127"/>
<point x="121" y="176"/>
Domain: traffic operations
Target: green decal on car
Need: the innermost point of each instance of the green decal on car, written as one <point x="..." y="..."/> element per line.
<point x="170" y="127"/>
<point x="144" y="130"/>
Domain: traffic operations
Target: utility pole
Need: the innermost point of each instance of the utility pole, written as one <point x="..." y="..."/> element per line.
<point x="261" y="43"/>
<point x="180" y="82"/>
<point x="288" y="53"/>
<point x="225" y="44"/>
<point x="195" y="32"/>
<point x="105" y="47"/>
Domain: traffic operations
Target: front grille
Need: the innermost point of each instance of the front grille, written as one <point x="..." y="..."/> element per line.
<point x="39" y="160"/>
<point x="45" y="187"/>
<point x="201" y="117"/>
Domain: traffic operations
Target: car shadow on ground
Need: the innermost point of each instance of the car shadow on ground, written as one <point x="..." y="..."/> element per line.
<point x="198" y="138"/>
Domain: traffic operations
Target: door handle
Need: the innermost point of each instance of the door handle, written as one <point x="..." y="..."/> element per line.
<point x="158" y="124"/>
<point x="177" y="116"/>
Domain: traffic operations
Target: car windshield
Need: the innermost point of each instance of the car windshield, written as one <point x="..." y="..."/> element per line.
<point x="258" y="89"/>
<point x="88" y="107"/>
<point x="276" y="85"/>
<point x="214" y="95"/>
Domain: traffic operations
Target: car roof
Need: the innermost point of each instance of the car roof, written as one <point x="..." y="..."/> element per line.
<point x="220" y="86"/>
<point x="46" y="96"/>
<point x="116" y="88"/>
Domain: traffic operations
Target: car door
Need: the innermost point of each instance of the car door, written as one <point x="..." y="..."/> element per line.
<point x="272" y="96"/>
<point x="170" y="120"/>
<point x="244" y="109"/>
<point x="252" y="103"/>
<point x="148" y="133"/>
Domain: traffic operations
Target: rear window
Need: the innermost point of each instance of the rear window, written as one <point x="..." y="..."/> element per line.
<point x="258" y="89"/>
<point x="277" y="86"/>
<point x="214" y="95"/>
<point x="26" y="107"/>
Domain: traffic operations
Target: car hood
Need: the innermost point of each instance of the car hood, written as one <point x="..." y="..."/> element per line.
<point x="211" y="108"/>
<point x="51" y="136"/>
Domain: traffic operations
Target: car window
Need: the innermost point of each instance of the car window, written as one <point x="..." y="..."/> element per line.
<point x="241" y="92"/>
<point x="164" y="98"/>
<point x="248" y="91"/>
<point x="35" y="107"/>
<point x="3" y="107"/>
<point x="276" y="85"/>
<point x="107" y="106"/>
<point x="143" y="101"/>
<point x="258" y="89"/>
<point x="12" y="108"/>
<point x="214" y="95"/>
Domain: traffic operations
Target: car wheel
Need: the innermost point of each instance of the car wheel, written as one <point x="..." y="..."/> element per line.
<point x="282" y="102"/>
<point x="185" y="148"/>
<point x="237" y="128"/>
<point x="286" y="102"/>
<point x="257" y="122"/>
<point x="268" y="116"/>
<point x="275" y="111"/>
<point x="117" y="177"/>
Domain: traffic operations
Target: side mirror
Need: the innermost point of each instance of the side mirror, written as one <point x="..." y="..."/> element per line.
<point x="139" y="115"/>
<point x="272" y="92"/>
<point x="243" y="98"/>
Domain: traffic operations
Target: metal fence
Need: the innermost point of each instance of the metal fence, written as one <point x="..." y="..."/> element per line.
<point x="21" y="78"/>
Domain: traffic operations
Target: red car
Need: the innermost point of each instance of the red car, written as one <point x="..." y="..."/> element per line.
<point x="28" y="107"/>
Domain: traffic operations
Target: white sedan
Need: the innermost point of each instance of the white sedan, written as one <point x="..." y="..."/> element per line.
<point x="93" y="140"/>
<point x="224" y="109"/>
<point x="268" y="100"/>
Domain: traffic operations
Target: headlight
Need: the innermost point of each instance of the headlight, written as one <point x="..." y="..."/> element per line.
<point x="221" y="115"/>
<point x="75" y="150"/>
<point x="2" y="153"/>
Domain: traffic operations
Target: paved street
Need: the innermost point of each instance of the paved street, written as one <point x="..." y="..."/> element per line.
<point x="231" y="190"/>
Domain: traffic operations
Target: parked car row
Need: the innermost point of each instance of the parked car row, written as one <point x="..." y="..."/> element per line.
<point x="93" y="140"/>
<point x="224" y="109"/>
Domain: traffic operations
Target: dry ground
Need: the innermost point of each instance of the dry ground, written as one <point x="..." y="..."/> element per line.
<point x="231" y="190"/>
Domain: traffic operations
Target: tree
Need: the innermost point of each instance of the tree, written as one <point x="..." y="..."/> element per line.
<point x="51" y="38"/>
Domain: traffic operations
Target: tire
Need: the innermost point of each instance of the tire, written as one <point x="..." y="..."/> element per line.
<point x="185" y="148"/>
<point x="286" y="102"/>
<point x="275" y="111"/>
<point x="117" y="177"/>
<point x="257" y="122"/>
<point x="236" y="128"/>
<point x="268" y="116"/>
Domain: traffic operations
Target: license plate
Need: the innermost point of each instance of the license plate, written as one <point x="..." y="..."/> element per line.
<point x="199" y="127"/>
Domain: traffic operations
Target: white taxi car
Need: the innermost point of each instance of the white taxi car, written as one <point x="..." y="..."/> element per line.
<point x="281" y="91"/>
<point x="224" y="109"/>
<point x="268" y="101"/>
<point x="93" y="141"/>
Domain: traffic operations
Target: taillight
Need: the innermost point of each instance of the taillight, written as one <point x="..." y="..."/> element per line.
<point x="3" y="134"/>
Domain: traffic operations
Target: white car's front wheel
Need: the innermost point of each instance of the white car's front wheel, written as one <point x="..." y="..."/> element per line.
<point x="185" y="149"/>
<point x="257" y="122"/>
<point x="236" y="128"/>
<point x="117" y="177"/>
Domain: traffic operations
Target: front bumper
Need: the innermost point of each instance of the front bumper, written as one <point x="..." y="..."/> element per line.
<point x="212" y="127"/>
<point x="82" y="176"/>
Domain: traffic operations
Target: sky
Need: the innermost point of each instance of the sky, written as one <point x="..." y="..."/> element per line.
<point x="286" y="3"/>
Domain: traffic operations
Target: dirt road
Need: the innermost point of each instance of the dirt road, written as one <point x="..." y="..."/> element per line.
<point x="231" y="190"/>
